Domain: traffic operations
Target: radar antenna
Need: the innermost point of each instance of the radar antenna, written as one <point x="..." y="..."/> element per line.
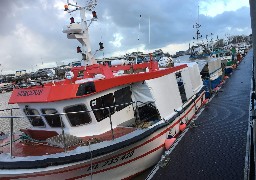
<point x="79" y="30"/>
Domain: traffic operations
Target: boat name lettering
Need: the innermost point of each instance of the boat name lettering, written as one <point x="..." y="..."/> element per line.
<point x="111" y="161"/>
<point x="36" y="92"/>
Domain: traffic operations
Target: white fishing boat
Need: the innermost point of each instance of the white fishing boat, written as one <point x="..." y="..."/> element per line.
<point x="101" y="121"/>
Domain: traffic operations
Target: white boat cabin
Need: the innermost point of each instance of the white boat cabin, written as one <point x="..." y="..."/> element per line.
<point x="159" y="98"/>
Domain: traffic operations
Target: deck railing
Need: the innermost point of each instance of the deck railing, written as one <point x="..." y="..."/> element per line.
<point x="12" y="117"/>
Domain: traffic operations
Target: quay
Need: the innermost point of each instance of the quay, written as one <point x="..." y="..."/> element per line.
<point x="215" y="147"/>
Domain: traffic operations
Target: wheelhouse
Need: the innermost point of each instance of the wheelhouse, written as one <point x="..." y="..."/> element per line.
<point x="118" y="106"/>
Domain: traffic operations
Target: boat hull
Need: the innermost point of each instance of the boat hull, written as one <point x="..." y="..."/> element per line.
<point x="119" y="164"/>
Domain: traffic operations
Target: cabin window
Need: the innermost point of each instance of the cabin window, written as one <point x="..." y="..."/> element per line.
<point x="85" y="88"/>
<point x="122" y="98"/>
<point x="77" y="115"/>
<point x="100" y="106"/>
<point x="35" y="121"/>
<point x="52" y="120"/>
<point x="181" y="86"/>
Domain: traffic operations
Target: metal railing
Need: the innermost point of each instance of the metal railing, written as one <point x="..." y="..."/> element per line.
<point x="249" y="170"/>
<point x="12" y="117"/>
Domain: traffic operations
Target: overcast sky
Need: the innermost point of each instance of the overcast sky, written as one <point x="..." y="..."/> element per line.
<point x="31" y="30"/>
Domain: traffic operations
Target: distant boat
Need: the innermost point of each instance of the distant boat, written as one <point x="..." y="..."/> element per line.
<point x="212" y="74"/>
<point x="226" y="60"/>
<point x="199" y="51"/>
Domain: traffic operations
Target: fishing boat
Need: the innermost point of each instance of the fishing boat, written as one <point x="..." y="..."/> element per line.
<point x="210" y="63"/>
<point x="199" y="51"/>
<point x="212" y="75"/>
<point x="101" y="121"/>
<point x="163" y="59"/>
<point x="226" y="60"/>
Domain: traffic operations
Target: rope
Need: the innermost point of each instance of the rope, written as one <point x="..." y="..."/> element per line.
<point x="9" y="142"/>
<point x="24" y="137"/>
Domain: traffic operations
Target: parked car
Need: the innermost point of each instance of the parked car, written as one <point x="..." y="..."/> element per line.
<point x="23" y="85"/>
<point x="31" y="83"/>
<point x="43" y="74"/>
<point x="7" y="87"/>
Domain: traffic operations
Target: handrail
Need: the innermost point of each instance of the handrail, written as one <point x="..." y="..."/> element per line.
<point x="62" y="127"/>
<point x="42" y="115"/>
<point x="249" y="169"/>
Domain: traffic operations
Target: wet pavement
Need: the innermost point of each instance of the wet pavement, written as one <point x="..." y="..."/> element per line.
<point x="216" y="148"/>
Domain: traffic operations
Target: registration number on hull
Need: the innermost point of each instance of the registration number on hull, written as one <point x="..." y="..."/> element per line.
<point x="111" y="161"/>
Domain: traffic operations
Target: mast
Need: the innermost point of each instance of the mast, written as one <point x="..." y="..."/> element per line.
<point x="80" y="31"/>
<point x="197" y="26"/>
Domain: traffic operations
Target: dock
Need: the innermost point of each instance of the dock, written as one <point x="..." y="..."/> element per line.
<point x="215" y="147"/>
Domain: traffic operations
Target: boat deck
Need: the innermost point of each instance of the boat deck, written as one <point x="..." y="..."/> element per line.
<point x="31" y="148"/>
<point x="215" y="148"/>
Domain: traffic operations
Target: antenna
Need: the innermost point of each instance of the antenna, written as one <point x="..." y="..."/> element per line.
<point x="80" y="31"/>
<point x="138" y="40"/>
<point x="139" y="29"/>
<point x="198" y="14"/>
<point x="197" y="26"/>
<point x="149" y="30"/>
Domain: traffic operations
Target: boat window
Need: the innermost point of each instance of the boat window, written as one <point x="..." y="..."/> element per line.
<point x="77" y="115"/>
<point x="181" y="86"/>
<point x="99" y="106"/>
<point x="35" y="121"/>
<point x="122" y="98"/>
<point x="52" y="120"/>
<point x="85" y="88"/>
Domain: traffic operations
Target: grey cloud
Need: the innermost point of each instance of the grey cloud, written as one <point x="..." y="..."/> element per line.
<point x="171" y="22"/>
